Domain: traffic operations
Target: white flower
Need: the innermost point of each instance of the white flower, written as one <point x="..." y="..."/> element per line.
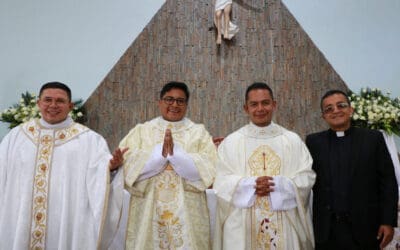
<point x="370" y="114"/>
<point x="79" y="114"/>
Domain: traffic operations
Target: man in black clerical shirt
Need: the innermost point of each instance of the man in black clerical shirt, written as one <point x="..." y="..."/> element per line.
<point x="355" y="193"/>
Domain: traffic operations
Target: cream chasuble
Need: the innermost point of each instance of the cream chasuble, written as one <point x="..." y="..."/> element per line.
<point x="54" y="186"/>
<point x="263" y="151"/>
<point x="166" y="210"/>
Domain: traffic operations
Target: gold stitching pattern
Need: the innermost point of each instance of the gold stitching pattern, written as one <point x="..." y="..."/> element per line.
<point x="32" y="130"/>
<point x="268" y="224"/>
<point x="169" y="225"/>
<point x="40" y="191"/>
<point x="45" y="139"/>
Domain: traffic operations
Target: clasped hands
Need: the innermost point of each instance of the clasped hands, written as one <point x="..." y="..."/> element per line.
<point x="264" y="185"/>
<point x="168" y="145"/>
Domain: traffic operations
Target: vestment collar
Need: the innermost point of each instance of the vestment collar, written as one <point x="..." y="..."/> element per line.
<point x="62" y="132"/>
<point x="163" y="124"/>
<point x="64" y="124"/>
<point x="269" y="131"/>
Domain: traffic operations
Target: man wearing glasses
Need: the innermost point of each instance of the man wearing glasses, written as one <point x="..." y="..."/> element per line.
<point x="168" y="167"/>
<point x="355" y="194"/>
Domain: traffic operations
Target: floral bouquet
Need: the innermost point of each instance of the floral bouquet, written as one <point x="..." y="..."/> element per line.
<point x="374" y="110"/>
<point x="27" y="109"/>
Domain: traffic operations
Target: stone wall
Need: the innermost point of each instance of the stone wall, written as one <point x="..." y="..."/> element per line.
<point x="179" y="44"/>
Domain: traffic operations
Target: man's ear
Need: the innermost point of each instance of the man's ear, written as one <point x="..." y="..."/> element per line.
<point x="245" y="108"/>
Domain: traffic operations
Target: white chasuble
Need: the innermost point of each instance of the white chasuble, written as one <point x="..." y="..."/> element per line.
<point x="168" y="211"/>
<point x="251" y="152"/>
<point x="54" y="185"/>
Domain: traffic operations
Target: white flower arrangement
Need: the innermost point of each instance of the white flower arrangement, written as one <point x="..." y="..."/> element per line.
<point x="374" y="110"/>
<point x="27" y="109"/>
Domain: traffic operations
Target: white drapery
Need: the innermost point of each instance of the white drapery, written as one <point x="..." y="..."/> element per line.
<point x="389" y="139"/>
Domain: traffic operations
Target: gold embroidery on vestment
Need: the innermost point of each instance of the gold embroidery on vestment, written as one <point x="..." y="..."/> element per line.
<point x="169" y="225"/>
<point x="40" y="191"/>
<point x="46" y="140"/>
<point x="267" y="224"/>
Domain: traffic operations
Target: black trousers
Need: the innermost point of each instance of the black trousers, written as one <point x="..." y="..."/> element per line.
<point x="341" y="237"/>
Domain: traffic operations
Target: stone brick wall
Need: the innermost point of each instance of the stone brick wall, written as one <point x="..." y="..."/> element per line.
<point x="179" y="44"/>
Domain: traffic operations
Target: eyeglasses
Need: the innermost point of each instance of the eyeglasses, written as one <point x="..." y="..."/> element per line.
<point x="331" y="108"/>
<point x="171" y="100"/>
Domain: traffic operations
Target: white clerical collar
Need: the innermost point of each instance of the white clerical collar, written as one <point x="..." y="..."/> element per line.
<point x="268" y="131"/>
<point x="172" y="125"/>
<point x="340" y="133"/>
<point x="64" y="124"/>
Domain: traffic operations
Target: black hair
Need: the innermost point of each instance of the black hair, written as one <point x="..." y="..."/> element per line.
<point x="175" y="85"/>
<point x="258" y="85"/>
<point x="56" y="85"/>
<point x="334" y="92"/>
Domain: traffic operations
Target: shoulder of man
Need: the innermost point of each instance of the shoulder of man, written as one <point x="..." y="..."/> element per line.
<point x="316" y="135"/>
<point x="12" y="133"/>
<point x="139" y="126"/>
<point x="368" y="133"/>
<point x="86" y="130"/>
<point x="239" y="133"/>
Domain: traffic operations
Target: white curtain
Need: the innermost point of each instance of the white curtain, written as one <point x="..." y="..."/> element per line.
<point x="389" y="139"/>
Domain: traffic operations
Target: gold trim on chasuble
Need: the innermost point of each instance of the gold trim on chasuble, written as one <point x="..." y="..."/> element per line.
<point x="266" y="225"/>
<point x="45" y="139"/>
<point x="168" y="203"/>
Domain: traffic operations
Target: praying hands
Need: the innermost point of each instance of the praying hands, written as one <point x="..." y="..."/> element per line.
<point x="168" y="146"/>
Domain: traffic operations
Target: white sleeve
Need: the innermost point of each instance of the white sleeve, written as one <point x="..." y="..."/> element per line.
<point x="154" y="165"/>
<point x="183" y="164"/>
<point x="283" y="197"/>
<point x="244" y="196"/>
